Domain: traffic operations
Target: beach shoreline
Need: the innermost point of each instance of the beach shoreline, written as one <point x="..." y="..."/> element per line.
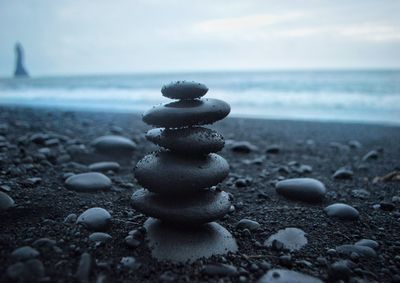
<point x="42" y="205"/>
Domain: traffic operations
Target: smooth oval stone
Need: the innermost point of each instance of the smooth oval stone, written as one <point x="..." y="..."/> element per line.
<point x="199" y="208"/>
<point x="368" y="243"/>
<point x="6" y="201"/>
<point x="303" y="189"/>
<point x="104" y="166"/>
<point x="186" y="113"/>
<point x="287" y="276"/>
<point x="88" y="182"/>
<point x="187" y="140"/>
<point x="184" y="90"/>
<point x="360" y="250"/>
<point x="187" y="244"/>
<point x="342" y="211"/>
<point x="24" y="253"/>
<point x="113" y="145"/>
<point x="248" y="224"/>
<point x="95" y="218"/>
<point x="100" y="237"/>
<point x="177" y="174"/>
<point x="292" y="239"/>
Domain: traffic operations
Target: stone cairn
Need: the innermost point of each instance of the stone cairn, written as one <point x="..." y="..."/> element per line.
<point x="178" y="179"/>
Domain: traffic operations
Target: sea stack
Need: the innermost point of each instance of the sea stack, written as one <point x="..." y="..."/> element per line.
<point x="20" y="71"/>
<point x="178" y="180"/>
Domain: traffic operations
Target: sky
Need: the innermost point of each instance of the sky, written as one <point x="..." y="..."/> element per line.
<point x="106" y="37"/>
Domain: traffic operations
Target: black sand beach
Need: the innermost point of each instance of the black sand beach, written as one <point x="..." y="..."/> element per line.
<point x="42" y="202"/>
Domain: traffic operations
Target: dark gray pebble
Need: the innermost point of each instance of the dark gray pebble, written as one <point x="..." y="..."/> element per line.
<point x="342" y="211"/>
<point x="184" y="90"/>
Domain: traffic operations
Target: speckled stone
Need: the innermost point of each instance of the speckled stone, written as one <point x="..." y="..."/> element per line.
<point x="303" y="189"/>
<point x="187" y="244"/>
<point x="88" y="182"/>
<point x="185" y="113"/>
<point x="96" y="218"/>
<point x="199" y="208"/>
<point x="287" y="276"/>
<point x="177" y="174"/>
<point x="184" y="90"/>
<point x="194" y="140"/>
<point x="342" y="211"/>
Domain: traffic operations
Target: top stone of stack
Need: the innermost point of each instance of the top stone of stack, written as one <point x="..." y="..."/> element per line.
<point x="184" y="90"/>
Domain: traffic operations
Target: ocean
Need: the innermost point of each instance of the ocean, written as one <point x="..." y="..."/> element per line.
<point x="349" y="96"/>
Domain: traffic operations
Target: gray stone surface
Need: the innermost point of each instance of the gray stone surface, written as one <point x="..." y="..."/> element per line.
<point x="184" y="244"/>
<point x="180" y="174"/>
<point x="303" y="189"/>
<point x="184" y="90"/>
<point x="88" y="182"/>
<point x="112" y="145"/>
<point x="342" y="211"/>
<point x="95" y="218"/>
<point x="193" y="140"/>
<point x="6" y="201"/>
<point x="287" y="276"/>
<point x="104" y="166"/>
<point x="292" y="239"/>
<point x="24" y="253"/>
<point x="187" y="113"/>
<point x="197" y="209"/>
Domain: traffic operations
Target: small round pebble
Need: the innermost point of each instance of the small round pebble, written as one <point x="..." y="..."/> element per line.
<point x="6" y="201"/>
<point x="95" y="218"/>
<point x="303" y="189"/>
<point x="368" y="243"/>
<point x="184" y="90"/>
<point x="100" y="237"/>
<point x="88" y="182"/>
<point x="343" y="173"/>
<point x="114" y="145"/>
<point x="248" y="224"/>
<point x="342" y="211"/>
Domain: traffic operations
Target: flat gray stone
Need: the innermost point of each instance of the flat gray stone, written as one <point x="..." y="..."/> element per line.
<point x="180" y="174"/>
<point x="292" y="239"/>
<point x="96" y="218"/>
<point x="104" y="166"/>
<point x="303" y="189"/>
<point x="186" y="113"/>
<point x="114" y="145"/>
<point x="287" y="276"/>
<point x="198" y="208"/>
<point x="343" y="174"/>
<point x="184" y="90"/>
<point x="24" y="253"/>
<point x="342" y="211"/>
<point x="368" y="243"/>
<point x="187" y="140"/>
<point x="6" y="201"/>
<point x="358" y="249"/>
<point x="248" y="224"/>
<point x="88" y="182"/>
<point x="100" y="237"/>
<point x="187" y="244"/>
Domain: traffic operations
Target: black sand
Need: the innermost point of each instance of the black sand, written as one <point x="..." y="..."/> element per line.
<point x="41" y="206"/>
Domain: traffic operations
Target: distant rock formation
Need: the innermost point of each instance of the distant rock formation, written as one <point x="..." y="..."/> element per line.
<point x="20" y="70"/>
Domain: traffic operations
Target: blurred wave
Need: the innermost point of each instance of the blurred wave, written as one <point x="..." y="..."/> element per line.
<point x="363" y="96"/>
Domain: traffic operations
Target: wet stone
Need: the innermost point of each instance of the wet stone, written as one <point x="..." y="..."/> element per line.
<point x="180" y="174"/>
<point x="88" y="182"/>
<point x="186" y="113"/>
<point x="6" y="201"/>
<point x="303" y="189"/>
<point x="292" y="239"/>
<point x="114" y="145"/>
<point x="194" y="140"/>
<point x="184" y="90"/>
<point x="96" y="218"/>
<point x="287" y="276"/>
<point x="104" y="166"/>
<point x="199" y="208"/>
<point x="342" y="211"/>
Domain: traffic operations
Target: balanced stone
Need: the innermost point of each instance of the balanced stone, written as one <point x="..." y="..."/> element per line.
<point x="104" y="166"/>
<point x="180" y="174"/>
<point x="342" y="211"/>
<point x="6" y="201"/>
<point x="186" y="113"/>
<point x="287" y="276"/>
<point x="187" y="140"/>
<point x="303" y="189"/>
<point x="199" y="208"/>
<point x="96" y="218"/>
<point x="189" y="243"/>
<point x="113" y="145"/>
<point x="184" y="90"/>
<point x="88" y="182"/>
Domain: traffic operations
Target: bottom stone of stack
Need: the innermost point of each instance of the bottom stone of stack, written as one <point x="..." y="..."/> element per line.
<point x="198" y="208"/>
<point x="187" y="244"/>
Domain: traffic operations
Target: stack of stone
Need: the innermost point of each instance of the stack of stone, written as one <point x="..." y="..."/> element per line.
<point x="178" y="178"/>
